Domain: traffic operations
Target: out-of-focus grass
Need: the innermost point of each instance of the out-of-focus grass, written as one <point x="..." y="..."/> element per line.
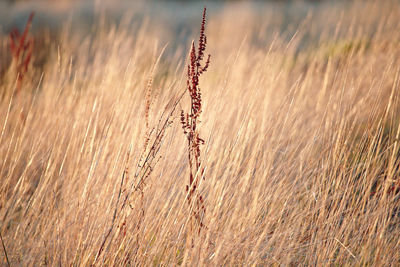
<point x="302" y="145"/>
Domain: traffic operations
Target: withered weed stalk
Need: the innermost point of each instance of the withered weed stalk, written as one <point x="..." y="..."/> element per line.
<point x="131" y="191"/>
<point x="190" y="121"/>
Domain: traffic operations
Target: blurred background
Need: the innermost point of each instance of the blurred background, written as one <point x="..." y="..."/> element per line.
<point x="175" y="18"/>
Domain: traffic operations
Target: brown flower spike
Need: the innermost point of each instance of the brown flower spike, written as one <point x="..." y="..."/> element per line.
<point x="190" y="121"/>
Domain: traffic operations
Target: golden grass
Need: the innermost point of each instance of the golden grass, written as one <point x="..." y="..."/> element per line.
<point x="301" y="148"/>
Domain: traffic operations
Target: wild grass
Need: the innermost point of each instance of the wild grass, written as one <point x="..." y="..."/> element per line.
<point x="300" y="155"/>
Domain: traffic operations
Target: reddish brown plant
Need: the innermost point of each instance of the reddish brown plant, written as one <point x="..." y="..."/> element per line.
<point x="190" y="122"/>
<point x="21" y="48"/>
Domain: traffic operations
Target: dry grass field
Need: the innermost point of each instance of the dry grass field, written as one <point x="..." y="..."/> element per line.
<point x="301" y="153"/>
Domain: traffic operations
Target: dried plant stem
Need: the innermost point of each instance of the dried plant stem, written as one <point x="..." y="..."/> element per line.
<point x="124" y="174"/>
<point x="144" y="171"/>
<point x="5" y="250"/>
<point x="190" y="122"/>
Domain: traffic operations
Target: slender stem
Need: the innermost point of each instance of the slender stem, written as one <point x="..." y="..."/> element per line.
<point x="114" y="215"/>
<point x="5" y="251"/>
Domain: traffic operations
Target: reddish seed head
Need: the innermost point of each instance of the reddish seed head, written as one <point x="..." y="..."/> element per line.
<point x="191" y="119"/>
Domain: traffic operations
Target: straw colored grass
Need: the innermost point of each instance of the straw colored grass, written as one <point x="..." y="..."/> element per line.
<point x="301" y="153"/>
